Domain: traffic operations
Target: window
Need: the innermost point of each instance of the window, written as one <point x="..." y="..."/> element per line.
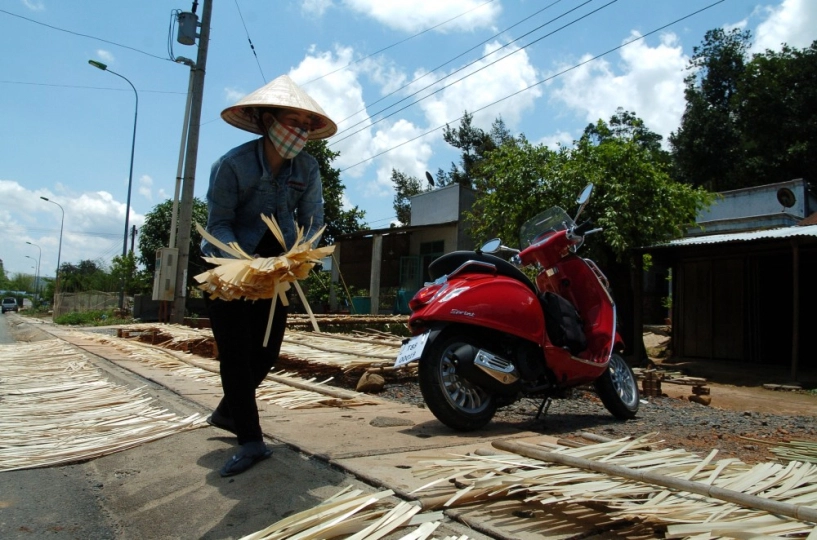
<point x="428" y="252"/>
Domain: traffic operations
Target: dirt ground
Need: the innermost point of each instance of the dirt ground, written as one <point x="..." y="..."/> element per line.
<point x="737" y="386"/>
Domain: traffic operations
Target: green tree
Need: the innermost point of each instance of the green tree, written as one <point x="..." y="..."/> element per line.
<point x="124" y="270"/>
<point x="87" y="275"/>
<point x="4" y="280"/>
<point x="405" y="187"/>
<point x="777" y="118"/>
<point x="155" y="234"/>
<point x="707" y="145"/>
<point x="474" y="143"/>
<point x="338" y="221"/>
<point x="21" y="282"/>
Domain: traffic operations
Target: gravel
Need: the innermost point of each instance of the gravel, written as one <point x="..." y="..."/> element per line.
<point x="747" y="435"/>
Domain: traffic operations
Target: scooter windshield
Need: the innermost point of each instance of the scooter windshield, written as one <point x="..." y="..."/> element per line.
<point x="543" y="225"/>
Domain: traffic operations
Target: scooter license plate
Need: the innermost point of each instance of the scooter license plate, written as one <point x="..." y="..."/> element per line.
<point x="411" y="350"/>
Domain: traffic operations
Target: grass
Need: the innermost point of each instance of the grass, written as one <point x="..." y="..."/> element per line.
<point x="91" y="318"/>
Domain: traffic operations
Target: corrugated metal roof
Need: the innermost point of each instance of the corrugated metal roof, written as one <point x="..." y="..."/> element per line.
<point x="782" y="232"/>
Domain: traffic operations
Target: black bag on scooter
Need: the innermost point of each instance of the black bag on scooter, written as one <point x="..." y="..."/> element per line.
<point x="564" y="326"/>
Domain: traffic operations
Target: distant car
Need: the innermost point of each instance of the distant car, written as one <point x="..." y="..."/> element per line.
<point x="9" y="304"/>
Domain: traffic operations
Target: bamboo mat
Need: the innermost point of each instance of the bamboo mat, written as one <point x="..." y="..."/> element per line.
<point x="355" y="515"/>
<point x="340" y="351"/>
<point x="548" y="484"/>
<point x="57" y="408"/>
<point x="280" y="388"/>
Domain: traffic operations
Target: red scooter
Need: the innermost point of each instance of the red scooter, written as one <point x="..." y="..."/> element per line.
<point x="485" y="335"/>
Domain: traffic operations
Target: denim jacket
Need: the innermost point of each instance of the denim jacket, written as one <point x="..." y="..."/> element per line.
<point x="242" y="188"/>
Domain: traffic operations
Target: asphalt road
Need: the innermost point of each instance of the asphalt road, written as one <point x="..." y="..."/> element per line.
<point x="169" y="488"/>
<point x="115" y="496"/>
<point x="58" y="501"/>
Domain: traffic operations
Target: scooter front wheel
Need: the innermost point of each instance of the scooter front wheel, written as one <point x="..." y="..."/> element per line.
<point x="455" y="401"/>
<point x="618" y="389"/>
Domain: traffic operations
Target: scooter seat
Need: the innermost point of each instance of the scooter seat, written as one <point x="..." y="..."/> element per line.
<point x="451" y="261"/>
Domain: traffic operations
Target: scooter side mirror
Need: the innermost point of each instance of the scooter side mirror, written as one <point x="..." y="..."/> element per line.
<point x="491" y="246"/>
<point x="584" y="196"/>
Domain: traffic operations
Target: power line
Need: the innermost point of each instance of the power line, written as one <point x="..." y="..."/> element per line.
<point x="448" y="62"/>
<point x="252" y="47"/>
<point x="478" y="70"/>
<point x="540" y="82"/>
<point x="56" y="231"/>
<point x="83" y="35"/>
<point x="481" y="68"/>
<point x="372" y="54"/>
<point x="91" y="87"/>
<point x="399" y="42"/>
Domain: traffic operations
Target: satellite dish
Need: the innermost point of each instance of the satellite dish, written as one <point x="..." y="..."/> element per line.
<point x="430" y="179"/>
<point x="786" y="197"/>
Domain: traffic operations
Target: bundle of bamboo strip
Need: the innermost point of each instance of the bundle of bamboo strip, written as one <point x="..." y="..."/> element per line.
<point x="354" y="515"/>
<point x="631" y="481"/>
<point x="797" y="451"/>
<point x="58" y="408"/>
<point x="251" y="278"/>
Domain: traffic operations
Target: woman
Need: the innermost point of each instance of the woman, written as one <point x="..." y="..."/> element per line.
<point x="271" y="176"/>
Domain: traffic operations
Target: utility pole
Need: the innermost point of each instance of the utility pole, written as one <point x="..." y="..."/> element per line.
<point x="188" y="182"/>
<point x="132" y="236"/>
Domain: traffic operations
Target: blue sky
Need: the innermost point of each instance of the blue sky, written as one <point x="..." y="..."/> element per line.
<point x="391" y="73"/>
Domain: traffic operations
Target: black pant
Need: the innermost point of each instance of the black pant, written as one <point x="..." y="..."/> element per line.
<point x="238" y="328"/>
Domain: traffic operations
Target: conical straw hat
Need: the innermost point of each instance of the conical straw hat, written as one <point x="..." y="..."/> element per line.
<point x="280" y="93"/>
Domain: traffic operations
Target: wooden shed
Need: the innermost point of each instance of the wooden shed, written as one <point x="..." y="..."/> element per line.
<point x="745" y="296"/>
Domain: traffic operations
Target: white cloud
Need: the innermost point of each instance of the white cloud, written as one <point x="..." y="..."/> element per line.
<point x="792" y="22"/>
<point x="482" y="84"/>
<point x="648" y="81"/>
<point x="420" y="15"/>
<point x="315" y="7"/>
<point x="340" y="95"/>
<point x="93" y="226"/>
<point x="106" y="57"/>
<point x="560" y="138"/>
<point x="406" y="155"/>
<point x="34" y="5"/>
<point x="146" y="187"/>
<point x="231" y="95"/>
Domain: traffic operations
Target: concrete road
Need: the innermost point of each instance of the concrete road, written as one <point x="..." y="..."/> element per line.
<point x="171" y="488"/>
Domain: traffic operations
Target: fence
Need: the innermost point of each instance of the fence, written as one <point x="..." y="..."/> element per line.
<point x="84" y="301"/>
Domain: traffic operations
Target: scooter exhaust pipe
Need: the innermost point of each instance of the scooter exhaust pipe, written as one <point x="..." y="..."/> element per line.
<point x="487" y="370"/>
<point x="497" y="367"/>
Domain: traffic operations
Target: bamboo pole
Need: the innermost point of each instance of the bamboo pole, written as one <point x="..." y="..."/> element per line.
<point x="795" y="511"/>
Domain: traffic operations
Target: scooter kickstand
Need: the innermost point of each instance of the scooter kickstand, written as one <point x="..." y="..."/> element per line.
<point x="543" y="408"/>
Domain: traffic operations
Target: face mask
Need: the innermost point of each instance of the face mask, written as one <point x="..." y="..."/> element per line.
<point x="288" y="141"/>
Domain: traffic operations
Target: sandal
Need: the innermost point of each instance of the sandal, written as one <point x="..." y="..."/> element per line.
<point x="249" y="455"/>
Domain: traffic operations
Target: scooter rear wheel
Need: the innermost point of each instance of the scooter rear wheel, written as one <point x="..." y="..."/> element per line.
<point x="618" y="389"/>
<point x="455" y="401"/>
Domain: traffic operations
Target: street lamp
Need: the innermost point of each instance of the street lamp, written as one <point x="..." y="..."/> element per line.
<point x="39" y="259"/>
<point x="104" y="67"/>
<point x="59" y="251"/>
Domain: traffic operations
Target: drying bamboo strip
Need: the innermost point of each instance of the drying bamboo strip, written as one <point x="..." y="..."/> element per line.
<point x="336" y="350"/>
<point x="354" y="515"/>
<point x="489" y="478"/>
<point x="795" y="511"/>
<point x="57" y="408"/>
<point x="281" y="388"/>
